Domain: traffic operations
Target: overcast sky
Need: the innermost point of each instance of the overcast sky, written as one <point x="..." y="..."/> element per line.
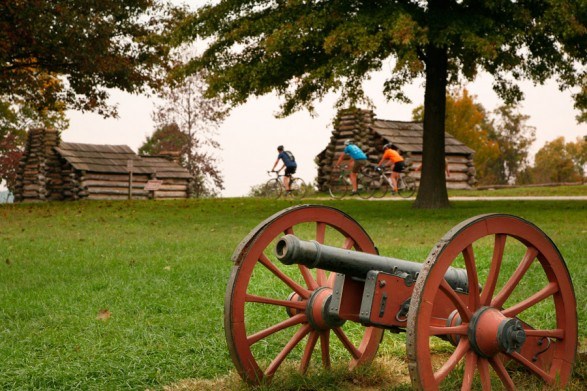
<point x="251" y="134"/>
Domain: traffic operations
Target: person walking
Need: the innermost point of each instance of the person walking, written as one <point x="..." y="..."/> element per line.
<point x="289" y="162"/>
<point x="391" y="157"/>
<point x="358" y="160"/>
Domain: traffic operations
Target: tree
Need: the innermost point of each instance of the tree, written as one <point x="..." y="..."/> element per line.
<point x="304" y="49"/>
<point x="578" y="152"/>
<point x="83" y="47"/>
<point x="514" y="139"/>
<point x="187" y="123"/>
<point x="554" y="163"/>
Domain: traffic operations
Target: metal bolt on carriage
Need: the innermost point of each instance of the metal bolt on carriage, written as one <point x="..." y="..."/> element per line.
<point x="308" y="288"/>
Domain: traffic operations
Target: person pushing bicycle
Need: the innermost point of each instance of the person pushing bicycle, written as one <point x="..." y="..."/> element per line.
<point x="391" y="157"/>
<point x="289" y="162"/>
<point x="358" y="160"/>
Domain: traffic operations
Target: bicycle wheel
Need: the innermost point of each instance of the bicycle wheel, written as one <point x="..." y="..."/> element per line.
<point x="297" y="187"/>
<point x="366" y="184"/>
<point x="380" y="186"/>
<point x="337" y="186"/>
<point x="406" y="186"/>
<point x="272" y="189"/>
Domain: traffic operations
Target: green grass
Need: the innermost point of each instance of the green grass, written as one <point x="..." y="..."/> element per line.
<point x="528" y="191"/>
<point x="160" y="270"/>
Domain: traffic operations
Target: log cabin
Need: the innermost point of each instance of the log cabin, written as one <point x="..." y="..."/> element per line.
<point x="54" y="170"/>
<point x="370" y="134"/>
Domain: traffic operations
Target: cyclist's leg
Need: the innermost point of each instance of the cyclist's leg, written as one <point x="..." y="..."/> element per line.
<point x="356" y="168"/>
<point x="287" y="177"/>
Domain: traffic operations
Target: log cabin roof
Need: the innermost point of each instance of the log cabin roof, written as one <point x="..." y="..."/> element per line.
<point x="408" y="136"/>
<point x="115" y="158"/>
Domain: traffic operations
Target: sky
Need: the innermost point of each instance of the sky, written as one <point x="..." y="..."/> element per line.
<point x="250" y="135"/>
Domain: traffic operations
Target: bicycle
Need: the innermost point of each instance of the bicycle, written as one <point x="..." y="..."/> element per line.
<point x="380" y="184"/>
<point x="275" y="187"/>
<point x="340" y="184"/>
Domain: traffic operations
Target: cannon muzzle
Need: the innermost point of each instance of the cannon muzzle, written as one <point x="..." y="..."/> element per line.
<point x="290" y="249"/>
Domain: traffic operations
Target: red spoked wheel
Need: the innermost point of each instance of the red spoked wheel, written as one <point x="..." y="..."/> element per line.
<point x="274" y="314"/>
<point x="519" y="316"/>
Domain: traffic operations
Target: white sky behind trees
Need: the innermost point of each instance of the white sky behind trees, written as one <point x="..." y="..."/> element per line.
<point x="251" y="134"/>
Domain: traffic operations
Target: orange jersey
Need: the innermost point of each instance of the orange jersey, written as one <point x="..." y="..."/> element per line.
<point x="392" y="155"/>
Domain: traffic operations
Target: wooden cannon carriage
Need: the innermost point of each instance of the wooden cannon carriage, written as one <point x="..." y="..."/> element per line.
<point x="309" y="288"/>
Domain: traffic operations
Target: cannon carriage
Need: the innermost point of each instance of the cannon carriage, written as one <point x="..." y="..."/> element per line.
<point x="308" y="288"/>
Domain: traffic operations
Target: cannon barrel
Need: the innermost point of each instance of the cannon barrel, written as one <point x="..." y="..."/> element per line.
<point x="290" y="249"/>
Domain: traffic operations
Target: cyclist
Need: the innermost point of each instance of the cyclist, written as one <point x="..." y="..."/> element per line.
<point x="391" y="157"/>
<point x="358" y="160"/>
<point x="289" y="162"/>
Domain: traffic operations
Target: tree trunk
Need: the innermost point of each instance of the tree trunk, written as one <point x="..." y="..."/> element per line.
<point x="432" y="193"/>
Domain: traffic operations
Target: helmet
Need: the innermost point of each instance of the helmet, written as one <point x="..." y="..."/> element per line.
<point x="386" y="146"/>
<point x="347" y="142"/>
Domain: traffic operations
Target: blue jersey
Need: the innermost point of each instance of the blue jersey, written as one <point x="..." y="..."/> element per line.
<point x="287" y="158"/>
<point x="354" y="152"/>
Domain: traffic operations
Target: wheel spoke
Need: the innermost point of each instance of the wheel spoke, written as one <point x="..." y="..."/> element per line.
<point x="320" y="237"/>
<point x="308" y="350"/>
<point x="296" y="319"/>
<point x="544" y="293"/>
<point x="347" y="343"/>
<point x="325" y="348"/>
<point x="464" y="311"/>
<point x="494" y="270"/>
<point x="308" y="277"/>
<point x="484" y="374"/>
<point x="470" y="366"/>
<point x="515" y="279"/>
<point x="472" y="277"/>
<point x="299" y="305"/>
<point x="348" y="243"/>
<point x="460" y="351"/>
<point x="556" y="333"/>
<point x="299" y="335"/>
<point x="503" y="374"/>
<point x="283" y="277"/>
<point x="533" y="367"/>
<point x="449" y="330"/>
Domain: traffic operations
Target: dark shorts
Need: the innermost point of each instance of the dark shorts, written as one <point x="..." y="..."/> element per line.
<point x="358" y="164"/>
<point x="398" y="167"/>
<point x="290" y="170"/>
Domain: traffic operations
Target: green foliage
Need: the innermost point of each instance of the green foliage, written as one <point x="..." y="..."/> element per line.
<point x="558" y="161"/>
<point x="514" y="138"/>
<point x="304" y="49"/>
<point x="164" y="140"/>
<point x="83" y="48"/>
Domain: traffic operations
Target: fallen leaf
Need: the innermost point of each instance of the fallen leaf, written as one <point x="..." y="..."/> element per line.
<point x="104" y="314"/>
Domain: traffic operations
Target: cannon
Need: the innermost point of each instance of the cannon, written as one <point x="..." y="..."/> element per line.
<point x="309" y="288"/>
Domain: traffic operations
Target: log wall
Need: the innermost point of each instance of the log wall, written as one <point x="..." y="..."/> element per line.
<point x="39" y="177"/>
<point x="45" y="175"/>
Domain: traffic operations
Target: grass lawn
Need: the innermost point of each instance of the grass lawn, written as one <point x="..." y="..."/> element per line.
<point x="130" y="295"/>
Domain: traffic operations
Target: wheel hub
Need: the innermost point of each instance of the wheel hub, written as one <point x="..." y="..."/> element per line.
<point x="490" y="332"/>
<point x="317" y="310"/>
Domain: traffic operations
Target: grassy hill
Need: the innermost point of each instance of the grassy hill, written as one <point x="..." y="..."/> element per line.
<point x="130" y="295"/>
